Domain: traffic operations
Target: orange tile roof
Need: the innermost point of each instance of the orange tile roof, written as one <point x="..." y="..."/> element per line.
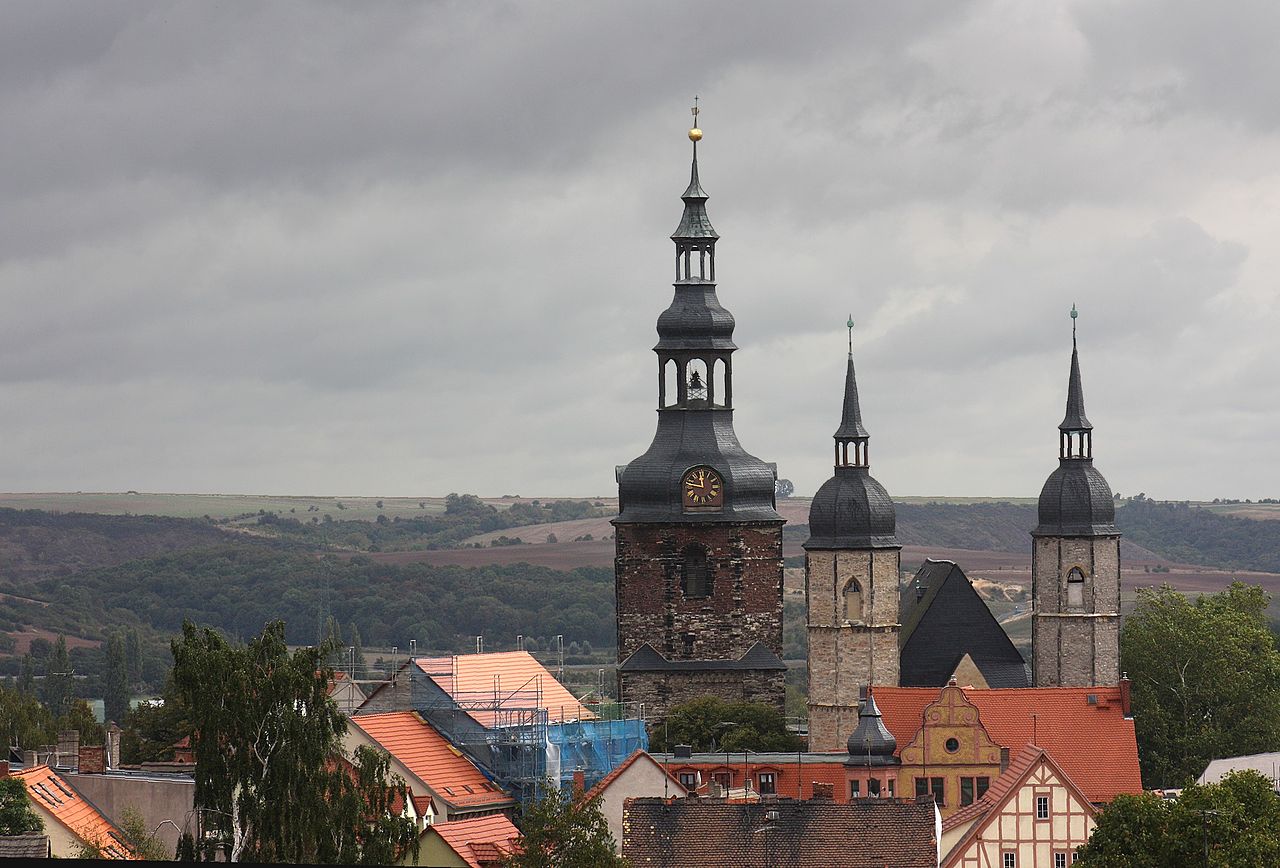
<point x="55" y="796"/>
<point x="604" y="782"/>
<point x="479" y="842"/>
<point x="512" y="679"/>
<point x="1094" y="745"/>
<point x="429" y="756"/>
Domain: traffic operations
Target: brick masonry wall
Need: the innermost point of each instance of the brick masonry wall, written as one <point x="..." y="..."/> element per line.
<point x="659" y="691"/>
<point x="745" y="604"/>
<point x="1076" y="649"/>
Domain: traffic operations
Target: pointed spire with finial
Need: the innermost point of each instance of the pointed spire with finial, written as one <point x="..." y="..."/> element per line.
<point x="1075" y="419"/>
<point x="694" y="223"/>
<point x="851" y="419"/>
<point x="871" y="743"/>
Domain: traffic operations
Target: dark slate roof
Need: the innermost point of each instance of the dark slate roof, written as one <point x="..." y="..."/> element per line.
<point x="694" y="223"/>
<point x="852" y="511"/>
<point x="864" y="833"/>
<point x="1075" y="420"/>
<point x="31" y="845"/>
<point x="646" y="658"/>
<point x="1076" y="501"/>
<point x="649" y="487"/>
<point x="695" y="320"/>
<point x="946" y="619"/>
<point x="851" y="419"/>
<point x="871" y="743"/>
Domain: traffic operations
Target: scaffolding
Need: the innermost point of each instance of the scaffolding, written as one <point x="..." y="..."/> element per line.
<point x="510" y="733"/>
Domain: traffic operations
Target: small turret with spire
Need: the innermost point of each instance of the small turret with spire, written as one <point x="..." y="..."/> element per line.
<point x="1075" y="433"/>
<point x="851" y="432"/>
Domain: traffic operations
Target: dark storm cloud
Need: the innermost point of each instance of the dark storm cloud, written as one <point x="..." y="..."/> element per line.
<point x="413" y="248"/>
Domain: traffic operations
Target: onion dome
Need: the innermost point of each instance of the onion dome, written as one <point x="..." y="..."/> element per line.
<point x="871" y="744"/>
<point x="1076" y="499"/>
<point x="852" y="510"/>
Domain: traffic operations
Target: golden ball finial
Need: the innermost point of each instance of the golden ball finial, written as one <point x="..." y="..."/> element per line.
<point x="695" y="135"/>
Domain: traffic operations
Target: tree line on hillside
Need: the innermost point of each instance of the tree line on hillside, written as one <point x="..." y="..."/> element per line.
<point x="465" y="516"/>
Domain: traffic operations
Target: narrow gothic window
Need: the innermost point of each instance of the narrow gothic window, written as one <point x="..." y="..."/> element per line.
<point x="695" y="573"/>
<point x="853" y="601"/>
<point x="1075" y="590"/>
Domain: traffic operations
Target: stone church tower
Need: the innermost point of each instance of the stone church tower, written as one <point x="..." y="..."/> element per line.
<point x="698" y="554"/>
<point x="852" y="563"/>
<point x="1075" y="568"/>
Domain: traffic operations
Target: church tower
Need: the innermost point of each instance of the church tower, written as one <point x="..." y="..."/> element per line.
<point x="852" y="563"/>
<point x="698" y="553"/>
<point x="1075" y="568"/>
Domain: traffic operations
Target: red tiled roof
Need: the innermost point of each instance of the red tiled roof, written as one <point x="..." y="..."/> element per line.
<point x="1094" y="744"/>
<point x="429" y="756"/>
<point x="604" y="782"/>
<point x="54" y="796"/>
<point x="512" y="679"/>
<point x="480" y="842"/>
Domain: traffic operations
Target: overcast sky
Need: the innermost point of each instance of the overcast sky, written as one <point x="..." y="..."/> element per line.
<point x="412" y="248"/>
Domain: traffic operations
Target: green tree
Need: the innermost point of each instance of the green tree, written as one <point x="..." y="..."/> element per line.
<point x="133" y="655"/>
<point x="25" y="721"/>
<point x="708" y="723"/>
<point x="1206" y="680"/>
<point x="27" y="678"/>
<point x="146" y="845"/>
<point x="151" y="729"/>
<point x="58" y="687"/>
<point x="80" y="717"/>
<point x="559" y="831"/>
<point x="115" y="686"/>
<point x="16" y="814"/>
<point x="267" y="741"/>
<point x="1231" y="823"/>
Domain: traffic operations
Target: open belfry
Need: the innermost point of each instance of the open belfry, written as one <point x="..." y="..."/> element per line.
<point x="852" y="567"/>
<point x="698" y="552"/>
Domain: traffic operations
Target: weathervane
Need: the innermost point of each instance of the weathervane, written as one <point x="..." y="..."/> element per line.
<point x="1074" y="313"/>
<point x="695" y="134"/>
<point x="850" y="325"/>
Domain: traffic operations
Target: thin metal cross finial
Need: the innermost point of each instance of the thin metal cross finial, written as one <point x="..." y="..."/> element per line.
<point x="695" y="109"/>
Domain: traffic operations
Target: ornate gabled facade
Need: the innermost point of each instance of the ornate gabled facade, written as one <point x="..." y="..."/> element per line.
<point x="698" y="554"/>
<point x="852" y="561"/>
<point x="1075" y="567"/>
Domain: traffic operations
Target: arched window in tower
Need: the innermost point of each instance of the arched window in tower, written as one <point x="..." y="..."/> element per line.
<point x="670" y="385"/>
<point x="695" y="573"/>
<point x="853" y="602"/>
<point x="697" y="383"/>
<point x="1075" y="590"/>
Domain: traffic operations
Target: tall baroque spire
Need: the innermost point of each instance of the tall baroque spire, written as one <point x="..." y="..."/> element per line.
<point x="1075" y="419"/>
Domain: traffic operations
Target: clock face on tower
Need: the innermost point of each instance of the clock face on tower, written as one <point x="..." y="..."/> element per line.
<point x="702" y="488"/>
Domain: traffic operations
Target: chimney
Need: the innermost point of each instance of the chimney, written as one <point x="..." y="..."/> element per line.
<point x="579" y="783"/>
<point x="1125" y="702"/>
<point x="112" y="747"/>
<point x="68" y="749"/>
<point x="92" y="760"/>
<point x="824" y="792"/>
<point x="30" y="759"/>
<point x="4" y="769"/>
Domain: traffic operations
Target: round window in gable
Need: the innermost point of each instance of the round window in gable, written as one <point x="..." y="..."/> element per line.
<point x="952" y="745"/>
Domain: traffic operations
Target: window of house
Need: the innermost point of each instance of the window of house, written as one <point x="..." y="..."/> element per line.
<point x="1042" y="807"/>
<point x="1059" y="860"/>
<point x="1075" y="857"/>
<point x="922" y="787"/>
<point x="695" y="573"/>
<point x="891" y="782"/>
<point x="966" y="791"/>
<point x="873" y="787"/>
<point x="952" y="745"/>
<point x="689" y="780"/>
<point x="723" y="779"/>
<point x="855" y="789"/>
<point x="853" y="601"/>
<point x="1075" y="590"/>
<point x="937" y="786"/>
<point x="768" y="784"/>
<point x="983" y="785"/>
<point x="1009" y="860"/>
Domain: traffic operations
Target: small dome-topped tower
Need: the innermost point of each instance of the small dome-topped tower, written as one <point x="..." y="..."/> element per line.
<point x="852" y="560"/>
<point x="1075" y="570"/>
<point x="871" y="744"/>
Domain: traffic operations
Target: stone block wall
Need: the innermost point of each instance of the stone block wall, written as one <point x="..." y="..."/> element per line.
<point x="659" y="691"/>
<point x="1076" y="648"/>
